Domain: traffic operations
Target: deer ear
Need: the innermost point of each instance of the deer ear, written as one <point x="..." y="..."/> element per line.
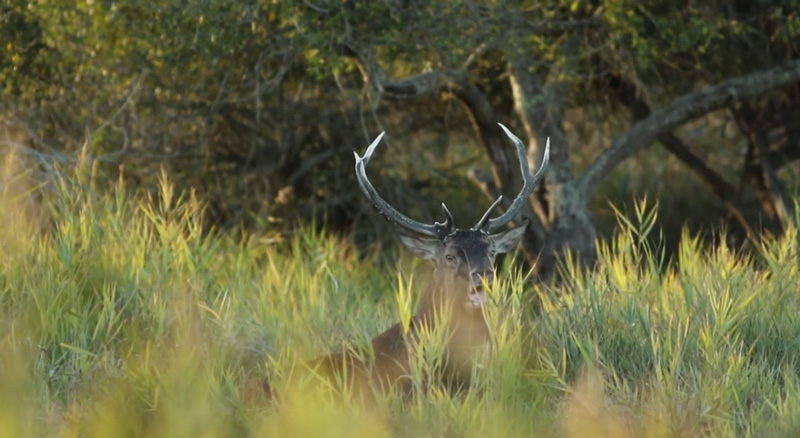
<point x="422" y="247"/>
<point x="508" y="240"/>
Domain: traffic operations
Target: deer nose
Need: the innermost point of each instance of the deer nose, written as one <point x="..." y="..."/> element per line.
<point x="477" y="277"/>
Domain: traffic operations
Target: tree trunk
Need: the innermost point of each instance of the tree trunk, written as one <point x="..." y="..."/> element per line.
<point x="505" y="167"/>
<point x="570" y="223"/>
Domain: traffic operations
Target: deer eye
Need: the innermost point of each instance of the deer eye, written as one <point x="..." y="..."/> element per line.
<point x="450" y="257"/>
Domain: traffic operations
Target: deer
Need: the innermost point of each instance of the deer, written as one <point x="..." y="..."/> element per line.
<point x="463" y="267"/>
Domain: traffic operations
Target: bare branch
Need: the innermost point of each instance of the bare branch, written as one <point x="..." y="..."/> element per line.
<point x="475" y="54"/>
<point x="487" y="185"/>
<point x="428" y="83"/>
<point x="308" y="164"/>
<point x="553" y="26"/>
<point x="722" y="189"/>
<point x="686" y="108"/>
<point x="759" y="141"/>
<point x="319" y="9"/>
<point x="128" y="99"/>
<point x="779" y="158"/>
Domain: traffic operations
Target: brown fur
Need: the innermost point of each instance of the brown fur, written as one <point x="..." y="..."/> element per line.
<point x="467" y="336"/>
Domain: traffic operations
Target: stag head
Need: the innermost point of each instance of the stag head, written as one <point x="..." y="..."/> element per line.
<point x="469" y="254"/>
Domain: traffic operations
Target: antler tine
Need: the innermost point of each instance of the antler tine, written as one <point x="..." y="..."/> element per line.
<point x="448" y="221"/>
<point x="436" y="230"/>
<point x="481" y="223"/>
<point x="529" y="182"/>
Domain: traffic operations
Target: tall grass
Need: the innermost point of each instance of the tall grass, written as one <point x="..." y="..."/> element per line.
<point x="127" y="318"/>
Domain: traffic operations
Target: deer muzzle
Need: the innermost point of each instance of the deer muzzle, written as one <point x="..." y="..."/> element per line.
<point x="477" y="294"/>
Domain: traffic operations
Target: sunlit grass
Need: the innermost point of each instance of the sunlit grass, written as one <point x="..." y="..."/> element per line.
<point x="126" y="318"/>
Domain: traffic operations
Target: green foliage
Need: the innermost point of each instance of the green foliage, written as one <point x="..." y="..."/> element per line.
<point x="257" y="107"/>
<point x="126" y="318"/>
<point x="697" y="38"/>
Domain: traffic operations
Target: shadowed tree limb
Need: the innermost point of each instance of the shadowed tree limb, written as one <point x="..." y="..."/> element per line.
<point x="771" y="195"/>
<point x="779" y="158"/>
<point x="722" y="189"/>
<point x="680" y="111"/>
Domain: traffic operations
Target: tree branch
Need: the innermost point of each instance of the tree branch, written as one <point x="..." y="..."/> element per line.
<point x="759" y="141"/>
<point x="721" y="188"/>
<point x="779" y="158"/>
<point x="686" y="108"/>
<point x="428" y="83"/>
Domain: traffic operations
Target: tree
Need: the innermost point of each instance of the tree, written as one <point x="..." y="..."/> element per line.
<point x="550" y="52"/>
<point x="257" y="106"/>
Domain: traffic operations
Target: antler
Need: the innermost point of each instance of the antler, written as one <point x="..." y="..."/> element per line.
<point x="437" y="230"/>
<point x="490" y="225"/>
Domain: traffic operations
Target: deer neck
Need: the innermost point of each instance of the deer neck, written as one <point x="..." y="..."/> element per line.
<point x="467" y="330"/>
<point x="446" y="296"/>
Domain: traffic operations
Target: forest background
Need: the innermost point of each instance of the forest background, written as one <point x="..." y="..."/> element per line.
<point x="258" y="106"/>
<point x="180" y="164"/>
